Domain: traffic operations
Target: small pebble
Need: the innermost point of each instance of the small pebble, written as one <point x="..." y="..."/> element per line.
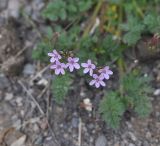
<point x="75" y="122"/>
<point x="101" y="141"/>
<point x="29" y="69"/>
<point x="156" y="92"/>
<point x="131" y="144"/>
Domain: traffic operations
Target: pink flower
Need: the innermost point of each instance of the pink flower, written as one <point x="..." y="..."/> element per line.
<point x="105" y="72"/>
<point x="72" y="63"/>
<point x="55" y="56"/>
<point x="89" y="67"/>
<point x="59" y="68"/>
<point x="97" y="81"/>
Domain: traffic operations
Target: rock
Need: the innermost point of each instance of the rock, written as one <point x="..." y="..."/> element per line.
<point x="101" y="141"/>
<point x="19" y="101"/>
<point x="145" y="143"/>
<point x="75" y="122"/>
<point x="156" y="92"/>
<point x="17" y="124"/>
<point x="4" y="82"/>
<point x="131" y="144"/>
<point x="13" y="8"/>
<point x="132" y="136"/>
<point x="20" y="141"/>
<point x="43" y="124"/>
<point x="12" y="66"/>
<point x="3" y="4"/>
<point x="39" y="140"/>
<point x="36" y="128"/>
<point x="91" y="126"/>
<point x="148" y="135"/>
<point x="8" y="96"/>
<point x="29" y="69"/>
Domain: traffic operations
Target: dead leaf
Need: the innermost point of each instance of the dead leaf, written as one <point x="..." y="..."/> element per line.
<point x="20" y="141"/>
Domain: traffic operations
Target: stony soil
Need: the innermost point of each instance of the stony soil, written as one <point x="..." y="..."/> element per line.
<point x="28" y="114"/>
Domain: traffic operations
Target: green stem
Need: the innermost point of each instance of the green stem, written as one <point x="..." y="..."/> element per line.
<point x="95" y="13"/>
<point x="138" y="9"/>
<point x="121" y="67"/>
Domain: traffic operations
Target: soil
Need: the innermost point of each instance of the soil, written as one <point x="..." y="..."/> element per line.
<point x="29" y="115"/>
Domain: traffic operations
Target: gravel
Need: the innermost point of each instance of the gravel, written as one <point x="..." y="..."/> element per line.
<point x="101" y="141"/>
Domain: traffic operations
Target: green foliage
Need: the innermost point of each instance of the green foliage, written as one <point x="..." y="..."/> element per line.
<point x="134" y="29"/>
<point x="45" y="46"/>
<point x="152" y="23"/>
<point x="112" y="109"/>
<point x="40" y="52"/>
<point x="55" y="10"/>
<point x="60" y="87"/>
<point x="101" y="47"/>
<point x="66" y="9"/>
<point x="136" y="90"/>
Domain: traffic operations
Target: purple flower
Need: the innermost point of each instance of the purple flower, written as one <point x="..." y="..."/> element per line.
<point x="106" y="72"/>
<point x="59" y="68"/>
<point x="55" y="56"/>
<point x="72" y="63"/>
<point x="89" y="67"/>
<point x="97" y="81"/>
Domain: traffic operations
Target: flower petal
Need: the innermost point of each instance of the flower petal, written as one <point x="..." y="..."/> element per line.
<point x="91" y="72"/>
<point x="102" y="83"/>
<point x="70" y="59"/>
<point x="71" y="67"/>
<point x="109" y="72"/>
<point x="89" y="61"/>
<point x="93" y="66"/>
<point x="101" y="76"/>
<point x="55" y="52"/>
<point x="106" y="67"/>
<point x="50" y="54"/>
<point x="92" y="82"/>
<point x="76" y="59"/>
<point x="76" y="65"/>
<point x="84" y="64"/>
<point x="97" y="84"/>
<point x="52" y="60"/>
<point x="63" y="65"/>
<point x="95" y="76"/>
<point x="59" y="56"/>
<point x="62" y="71"/>
<point x="52" y="66"/>
<point x="106" y="76"/>
<point x="57" y="71"/>
<point x="86" y="70"/>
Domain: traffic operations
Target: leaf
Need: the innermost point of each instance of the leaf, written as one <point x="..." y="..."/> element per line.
<point x="55" y="10"/>
<point x="60" y="87"/>
<point x="131" y="38"/>
<point x="133" y="29"/>
<point x="143" y="106"/>
<point x="137" y="89"/>
<point x="112" y="109"/>
<point x="152" y="22"/>
<point x="20" y="141"/>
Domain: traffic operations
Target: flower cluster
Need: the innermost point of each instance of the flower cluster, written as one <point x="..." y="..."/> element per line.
<point x="72" y="63"/>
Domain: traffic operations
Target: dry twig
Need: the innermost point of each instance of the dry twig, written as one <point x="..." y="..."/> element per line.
<point x="41" y="111"/>
<point x="79" y="132"/>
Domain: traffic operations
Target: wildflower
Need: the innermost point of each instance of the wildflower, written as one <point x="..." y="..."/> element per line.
<point x="89" y="67"/>
<point x="72" y="63"/>
<point x="59" y="68"/>
<point x="106" y="72"/>
<point x="97" y="81"/>
<point x="55" y="56"/>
